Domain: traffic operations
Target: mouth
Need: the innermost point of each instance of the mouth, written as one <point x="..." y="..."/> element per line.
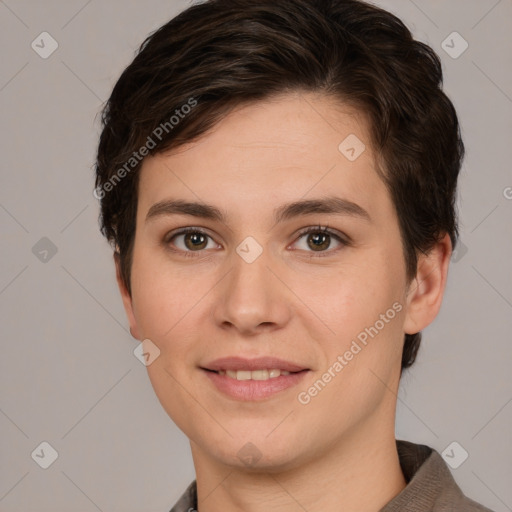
<point x="262" y="374"/>
<point x="253" y="379"/>
<point x="260" y="364"/>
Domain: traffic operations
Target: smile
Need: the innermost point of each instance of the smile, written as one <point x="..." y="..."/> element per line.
<point x="254" y="374"/>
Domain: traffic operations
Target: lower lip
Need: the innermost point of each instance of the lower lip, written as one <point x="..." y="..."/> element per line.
<point x="254" y="389"/>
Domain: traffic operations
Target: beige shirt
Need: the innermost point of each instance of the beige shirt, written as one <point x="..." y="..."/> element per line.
<point x="430" y="485"/>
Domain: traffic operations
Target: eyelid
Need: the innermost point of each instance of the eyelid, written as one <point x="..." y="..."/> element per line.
<point x="319" y="228"/>
<point x="183" y="231"/>
<point x="343" y="239"/>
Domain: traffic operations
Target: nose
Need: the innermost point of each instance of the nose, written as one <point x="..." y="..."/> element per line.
<point x="251" y="299"/>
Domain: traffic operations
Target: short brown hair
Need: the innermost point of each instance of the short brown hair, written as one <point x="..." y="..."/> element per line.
<point x="226" y="53"/>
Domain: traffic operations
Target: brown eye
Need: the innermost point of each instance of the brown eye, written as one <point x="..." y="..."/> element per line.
<point x="195" y="241"/>
<point x="190" y="240"/>
<point x="319" y="239"/>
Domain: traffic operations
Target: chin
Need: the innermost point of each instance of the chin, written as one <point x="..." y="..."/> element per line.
<point x="256" y="455"/>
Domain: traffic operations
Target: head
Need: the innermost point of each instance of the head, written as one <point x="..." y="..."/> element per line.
<point x="247" y="106"/>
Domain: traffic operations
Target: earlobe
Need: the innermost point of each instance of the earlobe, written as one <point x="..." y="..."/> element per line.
<point x="127" y="299"/>
<point x="426" y="291"/>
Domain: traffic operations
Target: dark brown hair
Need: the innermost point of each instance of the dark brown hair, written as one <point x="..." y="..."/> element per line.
<point x="221" y="54"/>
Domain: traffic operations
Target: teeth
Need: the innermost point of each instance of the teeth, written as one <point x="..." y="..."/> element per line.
<point x="243" y="375"/>
<point x="253" y="375"/>
<point x="260" y="375"/>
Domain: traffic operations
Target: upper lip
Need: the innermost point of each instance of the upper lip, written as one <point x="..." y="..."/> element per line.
<point x="260" y="363"/>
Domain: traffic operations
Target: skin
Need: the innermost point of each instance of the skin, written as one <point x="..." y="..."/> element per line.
<point x="295" y="302"/>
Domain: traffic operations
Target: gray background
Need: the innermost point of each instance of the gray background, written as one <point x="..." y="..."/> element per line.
<point x="68" y="373"/>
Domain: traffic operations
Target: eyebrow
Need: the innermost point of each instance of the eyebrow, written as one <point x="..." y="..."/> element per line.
<point x="327" y="205"/>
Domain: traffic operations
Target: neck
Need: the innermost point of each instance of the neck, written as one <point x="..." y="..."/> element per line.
<point x="360" y="472"/>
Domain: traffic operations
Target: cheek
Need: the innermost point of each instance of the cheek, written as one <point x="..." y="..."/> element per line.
<point x="366" y="314"/>
<point x="352" y="295"/>
<point x="162" y="295"/>
<point x="360" y="306"/>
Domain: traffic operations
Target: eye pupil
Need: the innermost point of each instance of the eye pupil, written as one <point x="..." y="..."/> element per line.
<point x="319" y="241"/>
<point x="197" y="239"/>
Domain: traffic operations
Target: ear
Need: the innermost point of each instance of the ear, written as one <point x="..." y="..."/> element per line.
<point x="127" y="299"/>
<point x="426" y="290"/>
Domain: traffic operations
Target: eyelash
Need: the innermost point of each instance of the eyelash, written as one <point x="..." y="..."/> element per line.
<point x="313" y="229"/>
<point x="327" y="231"/>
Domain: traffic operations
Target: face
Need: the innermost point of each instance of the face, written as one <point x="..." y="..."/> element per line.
<point x="305" y="269"/>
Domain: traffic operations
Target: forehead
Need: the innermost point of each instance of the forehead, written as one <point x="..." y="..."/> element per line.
<point x="271" y="151"/>
<point x="294" y="123"/>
